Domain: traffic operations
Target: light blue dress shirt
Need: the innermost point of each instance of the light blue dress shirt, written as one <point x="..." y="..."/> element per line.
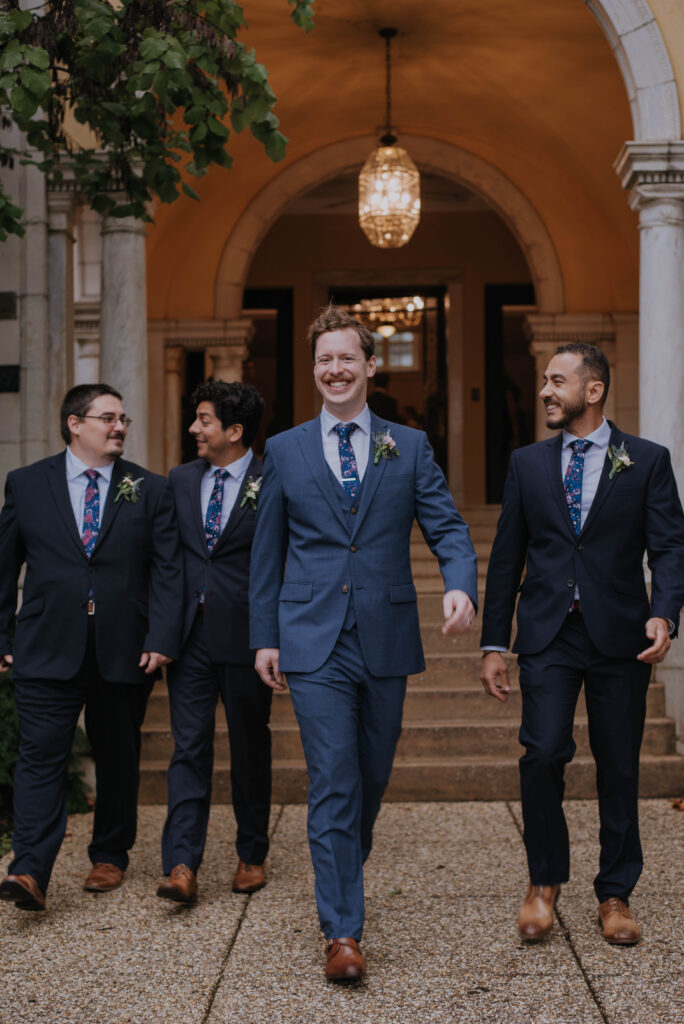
<point x="594" y="460"/>
<point x="231" y="486"/>
<point x="359" y="438"/>
<point x="77" y="482"/>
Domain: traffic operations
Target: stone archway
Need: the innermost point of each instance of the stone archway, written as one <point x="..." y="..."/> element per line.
<point x="449" y="161"/>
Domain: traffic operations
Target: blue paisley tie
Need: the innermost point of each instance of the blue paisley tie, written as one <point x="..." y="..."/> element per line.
<point x="572" y="482"/>
<point x="91" y="512"/>
<point x="350" y="474"/>
<point x="212" y="523"/>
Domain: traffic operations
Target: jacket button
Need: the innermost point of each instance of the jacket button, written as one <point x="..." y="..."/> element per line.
<point x="579" y="547"/>
<point x="345" y="589"/>
<point x="571" y="583"/>
<point x="354" y="510"/>
<point x="353" y="547"/>
<point x="208" y="561"/>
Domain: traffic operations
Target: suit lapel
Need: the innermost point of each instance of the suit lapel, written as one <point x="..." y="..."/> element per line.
<point x="190" y="501"/>
<point x="311" y="446"/>
<point x="552" y="462"/>
<point x="58" y="484"/>
<point x="373" y="474"/>
<point x="239" y="511"/>
<point x="112" y="507"/>
<point x="605" y="485"/>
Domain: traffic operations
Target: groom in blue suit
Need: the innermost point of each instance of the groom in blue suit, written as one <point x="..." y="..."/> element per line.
<point x="333" y="605"/>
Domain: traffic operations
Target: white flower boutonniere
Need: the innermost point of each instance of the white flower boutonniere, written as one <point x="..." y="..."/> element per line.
<point x="619" y="459"/>
<point x="384" y="446"/>
<point x="251" y="492"/>
<point x="129" y="489"/>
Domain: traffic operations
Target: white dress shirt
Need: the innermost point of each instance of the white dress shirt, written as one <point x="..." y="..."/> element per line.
<point x="231" y="486"/>
<point x="359" y="438"/>
<point x="77" y="482"/>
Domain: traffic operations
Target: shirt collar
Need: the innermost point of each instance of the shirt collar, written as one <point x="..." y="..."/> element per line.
<point x="362" y="421"/>
<point x="599" y="437"/>
<point x="75" y="467"/>
<point x="236" y="469"/>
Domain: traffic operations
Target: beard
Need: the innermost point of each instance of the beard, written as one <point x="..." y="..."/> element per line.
<point x="569" y="411"/>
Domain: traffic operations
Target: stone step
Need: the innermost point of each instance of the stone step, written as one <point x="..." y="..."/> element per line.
<point x="424" y="739"/>
<point x="443" y="779"/>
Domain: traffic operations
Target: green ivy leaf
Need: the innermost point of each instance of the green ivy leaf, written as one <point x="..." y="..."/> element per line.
<point x="217" y="128"/>
<point x="23" y="102"/>
<point x="190" y="191"/>
<point x="38" y="57"/>
<point x="37" y="82"/>
<point x="152" y="49"/>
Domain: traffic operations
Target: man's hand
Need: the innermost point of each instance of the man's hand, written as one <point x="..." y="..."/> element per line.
<point x="494" y="676"/>
<point x="6" y="662"/>
<point x="657" y="630"/>
<point x="458" y="612"/>
<point x="153" y="661"/>
<point x="266" y="664"/>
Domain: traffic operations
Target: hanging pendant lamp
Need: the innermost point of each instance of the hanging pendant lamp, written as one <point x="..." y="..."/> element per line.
<point x="389" y="182"/>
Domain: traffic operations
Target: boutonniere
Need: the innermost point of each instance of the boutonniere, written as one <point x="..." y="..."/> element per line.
<point x="385" y="447"/>
<point x="619" y="459"/>
<point x="251" y="492"/>
<point x="129" y="489"/>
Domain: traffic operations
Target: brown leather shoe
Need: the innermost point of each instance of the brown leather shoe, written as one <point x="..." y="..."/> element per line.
<point x="344" y="961"/>
<point x="618" y="926"/>
<point x="180" y="886"/>
<point x="249" y="877"/>
<point x="535" y="919"/>
<point x="23" y="889"/>
<point x="103" y="878"/>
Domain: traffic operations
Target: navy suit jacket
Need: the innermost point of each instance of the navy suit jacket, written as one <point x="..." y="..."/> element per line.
<point x="638" y="510"/>
<point x="311" y="557"/>
<point x="134" y="571"/>
<point x="225" y="573"/>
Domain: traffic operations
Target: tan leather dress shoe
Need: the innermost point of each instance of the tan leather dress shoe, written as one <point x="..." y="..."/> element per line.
<point x="535" y="919"/>
<point x="344" y="961"/>
<point x="618" y="926"/>
<point x="249" y="877"/>
<point x="103" y="878"/>
<point x="23" y="890"/>
<point x="180" y="886"/>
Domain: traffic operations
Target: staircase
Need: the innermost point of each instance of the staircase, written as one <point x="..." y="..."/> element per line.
<point x="457" y="743"/>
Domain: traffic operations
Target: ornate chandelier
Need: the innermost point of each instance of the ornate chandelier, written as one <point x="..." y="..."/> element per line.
<point x="389" y="182"/>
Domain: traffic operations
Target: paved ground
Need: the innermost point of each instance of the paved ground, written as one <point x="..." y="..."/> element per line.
<point x="443" y="887"/>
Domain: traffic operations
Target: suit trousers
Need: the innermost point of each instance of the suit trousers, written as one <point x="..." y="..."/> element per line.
<point x="48" y="712"/>
<point x="615" y="693"/>
<point x="195" y="685"/>
<point x="350" y="721"/>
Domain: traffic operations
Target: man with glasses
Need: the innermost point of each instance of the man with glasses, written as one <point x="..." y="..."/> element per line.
<point x="101" y="612"/>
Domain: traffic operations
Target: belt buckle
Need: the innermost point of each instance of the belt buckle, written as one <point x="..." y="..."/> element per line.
<point x="91" y="607"/>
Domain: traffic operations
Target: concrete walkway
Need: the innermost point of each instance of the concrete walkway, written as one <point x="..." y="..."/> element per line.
<point x="443" y="889"/>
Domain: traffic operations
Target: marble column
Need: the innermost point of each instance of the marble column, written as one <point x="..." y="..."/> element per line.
<point x="174" y="365"/>
<point x="654" y="175"/>
<point x="123" y="324"/>
<point x="61" y="206"/>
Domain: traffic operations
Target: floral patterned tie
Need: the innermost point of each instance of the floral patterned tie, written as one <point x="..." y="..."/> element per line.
<point x="91" y="512"/>
<point x="212" y="523"/>
<point x="350" y="474"/>
<point x="572" y="483"/>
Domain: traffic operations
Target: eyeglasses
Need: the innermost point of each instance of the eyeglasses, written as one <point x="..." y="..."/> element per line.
<point x="110" y="418"/>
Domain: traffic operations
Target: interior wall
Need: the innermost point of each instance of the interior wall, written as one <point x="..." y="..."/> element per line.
<point x="298" y="251"/>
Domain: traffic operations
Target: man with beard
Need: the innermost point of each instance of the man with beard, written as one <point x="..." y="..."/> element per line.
<point x="581" y="509"/>
<point x="101" y="613"/>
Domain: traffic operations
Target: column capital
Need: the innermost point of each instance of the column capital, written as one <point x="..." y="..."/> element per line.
<point x="62" y="204"/>
<point x="552" y="329"/>
<point x="173" y="359"/>
<point x="652" y="172"/>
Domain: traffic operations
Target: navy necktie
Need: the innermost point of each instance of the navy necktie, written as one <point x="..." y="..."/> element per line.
<point x="91" y="512"/>
<point x="212" y="523"/>
<point x="572" y="483"/>
<point x="350" y="474"/>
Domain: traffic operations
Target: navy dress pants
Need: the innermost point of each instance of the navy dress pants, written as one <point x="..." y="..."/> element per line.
<point x="195" y="685"/>
<point x="48" y="712"/>
<point x="350" y="723"/>
<point x="615" y="692"/>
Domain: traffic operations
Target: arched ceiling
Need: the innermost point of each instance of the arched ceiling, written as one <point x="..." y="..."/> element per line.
<point x="530" y="86"/>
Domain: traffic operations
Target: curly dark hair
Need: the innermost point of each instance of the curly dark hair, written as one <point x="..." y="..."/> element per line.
<point x="333" y="318"/>
<point x="233" y="402"/>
